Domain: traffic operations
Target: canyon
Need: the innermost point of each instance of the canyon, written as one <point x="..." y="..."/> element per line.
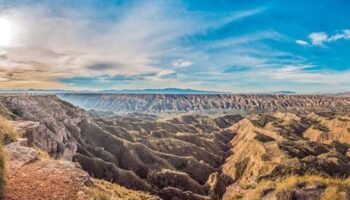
<point x="192" y="146"/>
<point x="165" y="103"/>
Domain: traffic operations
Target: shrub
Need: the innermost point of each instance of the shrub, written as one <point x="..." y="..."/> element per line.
<point x="2" y="173"/>
<point x="103" y="190"/>
<point x="321" y="127"/>
<point x="42" y="154"/>
<point x="334" y="188"/>
<point x="5" y="131"/>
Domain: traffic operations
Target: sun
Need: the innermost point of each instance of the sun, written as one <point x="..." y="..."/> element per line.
<point x="6" y="32"/>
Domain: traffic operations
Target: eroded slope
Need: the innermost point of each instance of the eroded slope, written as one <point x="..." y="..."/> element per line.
<point x="164" y="103"/>
<point x="273" y="146"/>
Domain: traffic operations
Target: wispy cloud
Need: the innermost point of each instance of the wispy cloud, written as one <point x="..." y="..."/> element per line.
<point x="302" y="74"/>
<point x="63" y="42"/>
<point x="319" y="38"/>
<point x="180" y="63"/>
<point x="302" y="42"/>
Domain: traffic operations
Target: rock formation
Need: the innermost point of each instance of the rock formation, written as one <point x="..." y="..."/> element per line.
<point x="163" y="103"/>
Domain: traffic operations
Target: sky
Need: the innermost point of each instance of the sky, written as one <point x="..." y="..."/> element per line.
<point x="219" y="45"/>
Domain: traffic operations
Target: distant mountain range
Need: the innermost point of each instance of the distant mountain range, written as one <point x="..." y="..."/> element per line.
<point x="113" y="91"/>
<point x="156" y="91"/>
<point x="161" y="91"/>
<point x="344" y="94"/>
<point x="283" y="92"/>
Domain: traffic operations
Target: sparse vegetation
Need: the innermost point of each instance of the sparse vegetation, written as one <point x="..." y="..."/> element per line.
<point x="332" y="188"/>
<point x="333" y="193"/>
<point x="321" y="127"/>
<point x="42" y="154"/>
<point x="327" y="115"/>
<point x="103" y="190"/>
<point x="5" y="132"/>
<point x="263" y="138"/>
<point x="262" y="120"/>
<point x="2" y="172"/>
<point x="3" y="111"/>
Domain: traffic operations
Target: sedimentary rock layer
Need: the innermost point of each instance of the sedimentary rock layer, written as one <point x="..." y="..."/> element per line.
<point x="160" y="103"/>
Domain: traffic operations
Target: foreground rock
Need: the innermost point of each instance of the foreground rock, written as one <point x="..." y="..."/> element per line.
<point x="29" y="177"/>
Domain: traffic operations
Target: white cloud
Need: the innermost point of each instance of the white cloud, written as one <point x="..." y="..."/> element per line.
<point x="181" y="63"/>
<point x="164" y="72"/>
<point x="302" y="42"/>
<point x="344" y="35"/>
<point x="318" y="38"/>
<point x="303" y="74"/>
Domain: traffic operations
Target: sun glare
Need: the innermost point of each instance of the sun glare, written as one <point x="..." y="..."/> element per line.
<point x="6" y="32"/>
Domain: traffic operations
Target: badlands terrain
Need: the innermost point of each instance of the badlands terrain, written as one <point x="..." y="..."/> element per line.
<point x="165" y="103"/>
<point x="176" y="147"/>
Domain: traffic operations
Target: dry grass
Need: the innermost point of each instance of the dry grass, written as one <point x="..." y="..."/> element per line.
<point x="2" y="173"/>
<point x="3" y="111"/>
<point x="103" y="190"/>
<point x="262" y="189"/>
<point x="7" y="133"/>
<point x="42" y="154"/>
<point x="333" y="193"/>
<point x="335" y="188"/>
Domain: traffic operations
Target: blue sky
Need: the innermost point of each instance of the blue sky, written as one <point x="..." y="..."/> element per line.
<point x="234" y="46"/>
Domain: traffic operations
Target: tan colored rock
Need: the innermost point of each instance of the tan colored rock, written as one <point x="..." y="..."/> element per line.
<point x="19" y="155"/>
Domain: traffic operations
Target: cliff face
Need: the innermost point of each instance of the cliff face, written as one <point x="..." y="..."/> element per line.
<point x="160" y="103"/>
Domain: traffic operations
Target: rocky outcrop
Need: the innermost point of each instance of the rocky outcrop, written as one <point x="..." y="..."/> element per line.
<point x="19" y="154"/>
<point x="30" y="177"/>
<point x="162" y="103"/>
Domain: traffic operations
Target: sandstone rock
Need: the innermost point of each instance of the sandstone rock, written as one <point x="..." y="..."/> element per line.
<point x="19" y="155"/>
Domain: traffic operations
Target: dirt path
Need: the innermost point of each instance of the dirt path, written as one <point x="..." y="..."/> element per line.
<point x="46" y="179"/>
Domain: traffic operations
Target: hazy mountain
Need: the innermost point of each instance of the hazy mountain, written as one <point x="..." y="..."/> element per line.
<point x="160" y="91"/>
<point x="344" y="94"/>
<point x="284" y="92"/>
<point x="114" y="91"/>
